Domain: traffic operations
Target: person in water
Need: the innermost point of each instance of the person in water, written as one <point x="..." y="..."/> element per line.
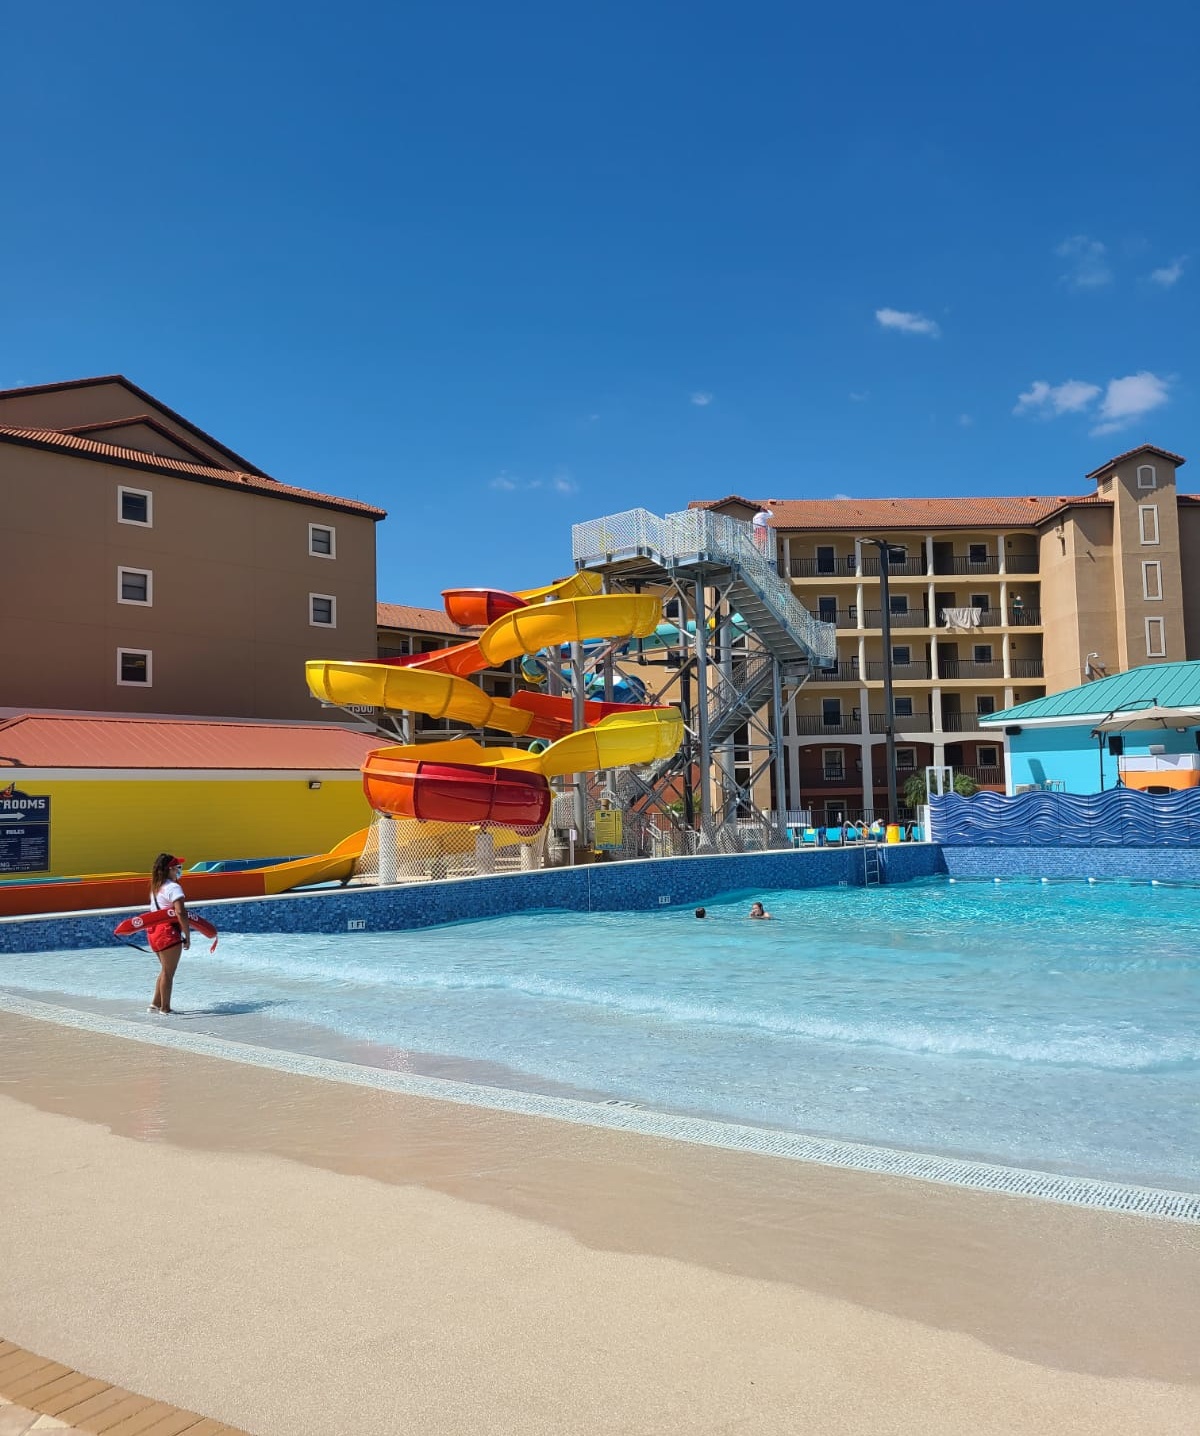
<point x="700" y="912"/>
<point x="168" y="939"/>
<point x="757" y="910"/>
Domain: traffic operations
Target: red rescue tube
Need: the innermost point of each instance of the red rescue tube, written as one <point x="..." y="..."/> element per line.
<point x="132" y="926"/>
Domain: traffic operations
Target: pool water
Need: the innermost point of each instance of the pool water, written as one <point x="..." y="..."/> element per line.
<point x="1050" y="1026"/>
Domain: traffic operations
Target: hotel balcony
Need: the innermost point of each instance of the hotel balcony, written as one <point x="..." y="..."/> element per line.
<point x="843" y="566"/>
<point x="809" y="723"/>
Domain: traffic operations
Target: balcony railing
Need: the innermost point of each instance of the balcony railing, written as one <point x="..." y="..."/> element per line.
<point x="912" y="723"/>
<point x="969" y="668"/>
<point x="956" y="563"/>
<point x="900" y="671"/>
<point x="814" y="723"/>
<point x="1023" y="617"/>
<point x="1021" y="563"/>
<point x="954" y="722"/>
<point x="910" y="618"/>
<point x="843" y="673"/>
<point x="983" y="775"/>
<point x="824" y="567"/>
<point x="898" y="568"/>
<point x="839" y="617"/>
<point x="1027" y="668"/>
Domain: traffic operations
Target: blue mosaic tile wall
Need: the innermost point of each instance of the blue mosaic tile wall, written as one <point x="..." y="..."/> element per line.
<point x="605" y="887"/>
<point x="1136" y="863"/>
<point x="1119" y="818"/>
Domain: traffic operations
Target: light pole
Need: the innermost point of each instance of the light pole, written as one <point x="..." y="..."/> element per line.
<point x="889" y="707"/>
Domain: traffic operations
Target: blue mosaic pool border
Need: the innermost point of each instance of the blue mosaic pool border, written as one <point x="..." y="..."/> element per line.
<point x="599" y="887"/>
<point x="1102" y="864"/>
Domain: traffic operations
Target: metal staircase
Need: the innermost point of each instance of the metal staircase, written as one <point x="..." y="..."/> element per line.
<point x="715" y="569"/>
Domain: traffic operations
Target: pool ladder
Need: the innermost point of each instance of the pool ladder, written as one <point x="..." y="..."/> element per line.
<point x="872" y="868"/>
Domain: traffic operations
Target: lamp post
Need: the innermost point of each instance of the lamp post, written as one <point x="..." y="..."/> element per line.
<point x="889" y="707"/>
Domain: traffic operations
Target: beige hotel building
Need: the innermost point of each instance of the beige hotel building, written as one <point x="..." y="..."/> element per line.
<point x="993" y="601"/>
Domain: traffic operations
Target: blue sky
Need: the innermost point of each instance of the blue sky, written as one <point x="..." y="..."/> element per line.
<point x="503" y="268"/>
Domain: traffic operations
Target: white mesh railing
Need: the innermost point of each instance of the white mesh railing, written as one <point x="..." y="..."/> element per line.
<point x="699" y="534"/>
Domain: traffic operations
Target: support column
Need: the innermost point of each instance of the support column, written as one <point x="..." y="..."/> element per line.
<point x="389" y="858"/>
<point x="579" y="721"/>
<point x="777" y="744"/>
<point x="705" y="757"/>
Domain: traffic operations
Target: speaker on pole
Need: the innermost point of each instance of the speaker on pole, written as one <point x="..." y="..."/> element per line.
<point x="1116" y="745"/>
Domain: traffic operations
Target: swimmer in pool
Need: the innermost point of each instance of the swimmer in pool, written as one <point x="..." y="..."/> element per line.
<point x="758" y="911"/>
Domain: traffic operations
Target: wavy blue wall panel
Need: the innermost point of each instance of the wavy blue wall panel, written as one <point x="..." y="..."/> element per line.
<point x="1120" y="818"/>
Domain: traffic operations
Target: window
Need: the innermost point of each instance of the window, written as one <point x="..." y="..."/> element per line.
<point x="983" y="653"/>
<point x="322" y="610"/>
<point x="985" y="703"/>
<point x="827" y="609"/>
<point x="1146" y="477"/>
<point x="906" y="758"/>
<point x="987" y="757"/>
<point x="831" y="712"/>
<point x="833" y="763"/>
<point x="134" y="667"/>
<point x="135" y="585"/>
<point x="901" y="655"/>
<point x="1156" y="638"/>
<point x="897" y="554"/>
<point x="977" y="553"/>
<point x="322" y="541"/>
<point x="826" y="558"/>
<point x="902" y="707"/>
<point x="135" y="506"/>
<point x="1152" y="579"/>
<point x="897" y="603"/>
<point x="981" y="601"/>
<point x="1148" y="519"/>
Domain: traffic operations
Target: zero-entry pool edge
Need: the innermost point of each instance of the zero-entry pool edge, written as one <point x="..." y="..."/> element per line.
<point x="635" y="886"/>
<point x="1081" y="1191"/>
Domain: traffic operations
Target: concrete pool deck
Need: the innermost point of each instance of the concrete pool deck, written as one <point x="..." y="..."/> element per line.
<point x="291" y="1255"/>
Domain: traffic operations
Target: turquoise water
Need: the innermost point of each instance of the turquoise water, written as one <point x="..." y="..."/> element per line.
<point x="1053" y="1026"/>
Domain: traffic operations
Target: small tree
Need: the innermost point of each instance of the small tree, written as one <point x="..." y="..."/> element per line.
<point x="916" y="795"/>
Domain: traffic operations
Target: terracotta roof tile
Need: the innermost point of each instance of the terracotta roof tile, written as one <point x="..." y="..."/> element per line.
<point x="1141" y="449"/>
<point x="39" y="740"/>
<point x="57" y="439"/>
<point x="244" y="465"/>
<point x="418" y="620"/>
<point x="89" y="431"/>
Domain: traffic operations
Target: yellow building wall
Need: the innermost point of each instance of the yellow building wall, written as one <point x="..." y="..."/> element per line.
<point x="115" y="824"/>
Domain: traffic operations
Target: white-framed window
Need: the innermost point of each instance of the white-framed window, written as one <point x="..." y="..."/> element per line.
<point x="322" y="610"/>
<point x="135" y="668"/>
<point x="977" y="553"/>
<point x="987" y="757"/>
<point x="1146" y="477"/>
<point x="906" y="758"/>
<point x="981" y="601"/>
<point x="831" y="712"/>
<point x="1156" y="638"/>
<point x="902" y="707"/>
<point x="833" y="763"/>
<point x="1148" y="522"/>
<point x="135" y="506"/>
<point x="983" y="653"/>
<point x="322" y="541"/>
<point x="901" y="655"/>
<point x="897" y="603"/>
<point x="1151" y="579"/>
<point x="984" y="703"/>
<point x="135" y="585"/>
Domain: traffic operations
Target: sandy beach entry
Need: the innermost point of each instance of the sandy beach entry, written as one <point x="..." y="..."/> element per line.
<point x="291" y="1255"/>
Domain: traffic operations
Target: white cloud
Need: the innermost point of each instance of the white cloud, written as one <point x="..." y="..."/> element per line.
<point x="965" y="421"/>
<point x="1047" y="401"/>
<point x="1089" y="268"/>
<point x="702" y="399"/>
<point x="1128" y="399"/>
<point x="859" y="396"/>
<point x="908" y="323"/>
<point x="843" y="496"/>
<point x="1169" y="274"/>
<point x="560" y="482"/>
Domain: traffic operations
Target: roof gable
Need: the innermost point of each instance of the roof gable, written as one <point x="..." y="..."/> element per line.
<point x="10" y="398"/>
<point x="1177" y="459"/>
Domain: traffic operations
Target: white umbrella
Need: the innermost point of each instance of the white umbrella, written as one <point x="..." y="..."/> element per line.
<point x="1152" y="716"/>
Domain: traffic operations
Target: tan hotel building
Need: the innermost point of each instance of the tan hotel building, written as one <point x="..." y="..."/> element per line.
<point x="993" y="601"/>
<point x="150" y="569"/>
